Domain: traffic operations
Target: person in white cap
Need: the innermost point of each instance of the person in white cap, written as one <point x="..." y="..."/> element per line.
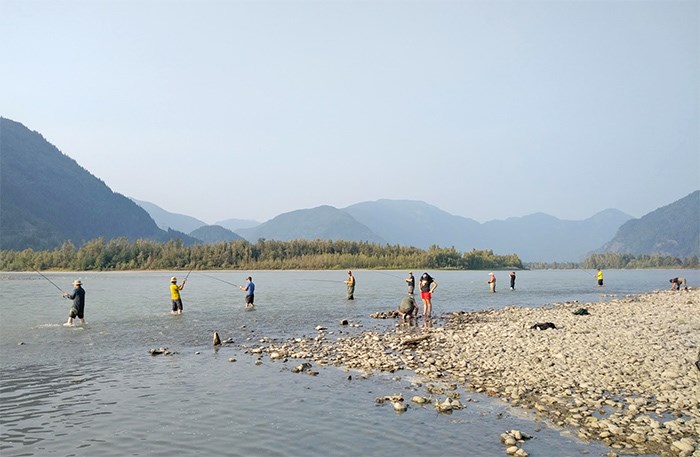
<point x="492" y="282"/>
<point x="175" y="295"/>
<point x="78" y="308"/>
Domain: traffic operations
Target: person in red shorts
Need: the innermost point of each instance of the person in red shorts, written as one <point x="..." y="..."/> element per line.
<point x="427" y="286"/>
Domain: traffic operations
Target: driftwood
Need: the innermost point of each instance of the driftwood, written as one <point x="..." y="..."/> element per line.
<point x="414" y="340"/>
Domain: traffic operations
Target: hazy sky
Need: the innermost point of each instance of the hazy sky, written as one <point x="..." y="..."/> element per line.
<point x="486" y="109"/>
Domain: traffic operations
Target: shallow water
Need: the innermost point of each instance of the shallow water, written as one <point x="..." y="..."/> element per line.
<point x="95" y="390"/>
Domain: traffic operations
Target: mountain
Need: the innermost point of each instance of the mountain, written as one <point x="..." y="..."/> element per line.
<point x="541" y="237"/>
<point x="323" y="222"/>
<point x="166" y="219"/>
<point x="535" y="237"/>
<point x="46" y="198"/>
<point x="235" y="224"/>
<point x="672" y="230"/>
<point x="414" y="223"/>
<point x="214" y="234"/>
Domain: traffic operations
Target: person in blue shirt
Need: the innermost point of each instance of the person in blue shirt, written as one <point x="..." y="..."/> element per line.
<point x="249" y="292"/>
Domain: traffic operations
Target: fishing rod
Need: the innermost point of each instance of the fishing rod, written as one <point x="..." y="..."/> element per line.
<point x="219" y="279"/>
<point x="54" y="284"/>
<point x="389" y="274"/>
<point x="188" y="273"/>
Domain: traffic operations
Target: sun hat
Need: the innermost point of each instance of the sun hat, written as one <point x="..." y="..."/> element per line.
<point x="173" y="279"/>
<point x="77" y="282"/>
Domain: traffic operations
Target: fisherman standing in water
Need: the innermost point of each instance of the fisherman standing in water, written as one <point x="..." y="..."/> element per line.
<point x="78" y="308"/>
<point x="492" y="282"/>
<point x="512" y="280"/>
<point x="175" y="295"/>
<point x="250" y="293"/>
<point x="411" y="282"/>
<point x="600" y="277"/>
<point x="351" y="285"/>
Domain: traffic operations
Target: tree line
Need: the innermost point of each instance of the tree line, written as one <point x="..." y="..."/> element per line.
<point x="620" y="261"/>
<point x="121" y="254"/>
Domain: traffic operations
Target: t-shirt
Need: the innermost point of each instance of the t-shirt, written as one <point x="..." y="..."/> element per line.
<point x="425" y="282"/>
<point x="174" y="291"/>
<point x="407" y="305"/>
<point x="250" y="289"/>
<point x="78" y="297"/>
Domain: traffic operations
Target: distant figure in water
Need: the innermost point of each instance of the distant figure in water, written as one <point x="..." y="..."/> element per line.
<point x="175" y="295"/>
<point x="78" y="308"/>
<point x="249" y="292"/>
<point x="350" y="282"/>
<point x="677" y="283"/>
<point x="427" y="286"/>
<point x="492" y="282"/>
<point x="411" y="282"/>
<point x="600" y="277"/>
<point x="512" y="280"/>
<point x="408" y="308"/>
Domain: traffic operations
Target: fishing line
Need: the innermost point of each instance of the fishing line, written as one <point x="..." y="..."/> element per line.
<point x="389" y="274"/>
<point x="320" y="280"/>
<point x="219" y="279"/>
<point x="54" y="284"/>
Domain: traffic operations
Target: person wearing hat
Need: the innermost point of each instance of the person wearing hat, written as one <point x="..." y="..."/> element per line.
<point x="350" y="282"/>
<point x="492" y="282"/>
<point x="78" y="308"/>
<point x="411" y="282"/>
<point x="175" y="295"/>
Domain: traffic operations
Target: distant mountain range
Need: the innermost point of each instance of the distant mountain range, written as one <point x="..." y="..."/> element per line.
<point x="47" y="198"/>
<point x="537" y="237"/>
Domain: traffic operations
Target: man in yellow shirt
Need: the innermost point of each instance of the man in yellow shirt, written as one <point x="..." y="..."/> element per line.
<point x="175" y="295"/>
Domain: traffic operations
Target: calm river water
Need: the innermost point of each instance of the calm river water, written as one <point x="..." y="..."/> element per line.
<point x="96" y="391"/>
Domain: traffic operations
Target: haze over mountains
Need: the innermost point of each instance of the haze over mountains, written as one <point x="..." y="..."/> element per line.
<point x="47" y="198"/>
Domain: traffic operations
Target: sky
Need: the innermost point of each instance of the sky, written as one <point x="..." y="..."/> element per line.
<point x="249" y="109"/>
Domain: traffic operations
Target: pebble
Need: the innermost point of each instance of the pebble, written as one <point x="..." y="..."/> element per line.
<point x="611" y="374"/>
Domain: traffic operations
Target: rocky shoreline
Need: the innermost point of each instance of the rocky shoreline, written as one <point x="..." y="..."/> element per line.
<point x="623" y="373"/>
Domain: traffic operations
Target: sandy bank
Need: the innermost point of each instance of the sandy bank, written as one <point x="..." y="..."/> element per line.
<point x="623" y="374"/>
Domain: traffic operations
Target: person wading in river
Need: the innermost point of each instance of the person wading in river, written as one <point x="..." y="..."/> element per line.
<point x="175" y="298"/>
<point x="78" y="308"/>
<point x="350" y="282"/>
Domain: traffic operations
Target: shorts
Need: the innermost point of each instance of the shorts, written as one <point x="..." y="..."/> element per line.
<point x="77" y="311"/>
<point x="250" y="299"/>
<point x="600" y="282"/>
<point x="426" y="295"/>
<point x="177" y="304"/>
<point x="410" y="289"/>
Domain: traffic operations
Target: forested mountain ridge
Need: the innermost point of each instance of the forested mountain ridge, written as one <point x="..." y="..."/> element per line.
<point x="47" y="198"/>
<point x="672" y="230"/>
